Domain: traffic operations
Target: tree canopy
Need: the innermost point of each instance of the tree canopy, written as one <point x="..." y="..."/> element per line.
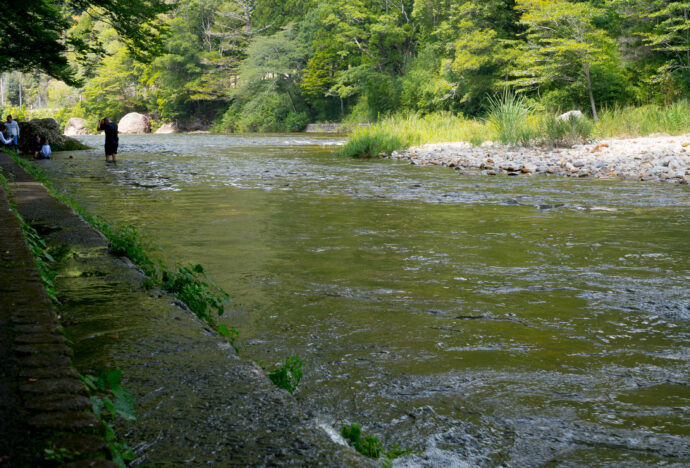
<point x="36" y="35"/>
<point x="273" y="65"/>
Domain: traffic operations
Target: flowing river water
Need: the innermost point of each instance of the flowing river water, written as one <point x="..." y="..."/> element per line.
<point x="516" y="321"/>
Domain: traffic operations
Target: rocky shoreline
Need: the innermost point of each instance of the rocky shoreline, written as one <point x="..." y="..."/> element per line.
<point x="653" y="158"/>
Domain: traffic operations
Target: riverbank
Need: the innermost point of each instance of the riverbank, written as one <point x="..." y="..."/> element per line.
<point x="197" y="401"/>
<point x="654" y="158"/>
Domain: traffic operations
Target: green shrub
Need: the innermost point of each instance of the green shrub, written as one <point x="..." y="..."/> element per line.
<point x="109" y="401"/>
<point x="125" y="240"/>
<point x="369" y="446"/>
<point x="288" y="375"/>
<point x="191" y="286"/>
<point x="296" y="121"/>
<point x="364" y="143"/>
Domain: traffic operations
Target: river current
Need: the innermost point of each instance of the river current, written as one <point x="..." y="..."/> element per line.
<point x="479" y="321"/>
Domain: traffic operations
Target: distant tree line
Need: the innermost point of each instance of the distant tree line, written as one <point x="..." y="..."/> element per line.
<point x="272" y="65"/>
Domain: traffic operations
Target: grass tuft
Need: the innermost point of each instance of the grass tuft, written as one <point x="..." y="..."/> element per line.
<point x="370" y="446"/>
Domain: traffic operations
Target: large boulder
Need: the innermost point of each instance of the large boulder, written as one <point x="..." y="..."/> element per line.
<point x="49" y="129"/>
<point x="167" y="128"/>
<point x="77" y="126"/>
<point x="573" y="114"/>
<point x="134" y="122"/>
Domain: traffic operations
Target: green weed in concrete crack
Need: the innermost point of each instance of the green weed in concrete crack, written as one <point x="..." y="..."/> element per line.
<point x="125" y="240"/>
<point x="59" y="454"/>
<point x="192" y="286"/>
<point x="370" y="446"/>
<point x="111" y="401"/>
<point x="232" y="335"/>
<point x="288" y="375"/>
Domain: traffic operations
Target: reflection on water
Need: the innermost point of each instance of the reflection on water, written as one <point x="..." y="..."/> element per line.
<point x="522" y="321"/>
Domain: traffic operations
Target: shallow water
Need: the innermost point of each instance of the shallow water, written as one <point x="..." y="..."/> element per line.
<point x="524" y="321"/>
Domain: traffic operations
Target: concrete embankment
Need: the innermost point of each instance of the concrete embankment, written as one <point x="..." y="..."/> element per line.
<point x="197" y="401"/>
<point x="43" y="403"/>
<point x="661" y="158"/>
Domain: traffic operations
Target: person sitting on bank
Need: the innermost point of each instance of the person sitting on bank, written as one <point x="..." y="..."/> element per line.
<point x="111" y="138"/>
<point x="4" y="139"/>
<point x="12" y="129"/>
<point x="37" y="147"/>
<point x="45" y="148"/>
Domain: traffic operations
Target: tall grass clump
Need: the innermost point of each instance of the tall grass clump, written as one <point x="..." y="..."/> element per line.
<point x="631" y="121"/>
<point x="553" y="131"/>
<point x="509" y="117"/>
<point x="400" y="132"/>
<point x="368" y="142"/>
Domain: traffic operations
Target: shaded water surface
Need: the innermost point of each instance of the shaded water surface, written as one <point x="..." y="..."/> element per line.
<point x="528" y="321"/>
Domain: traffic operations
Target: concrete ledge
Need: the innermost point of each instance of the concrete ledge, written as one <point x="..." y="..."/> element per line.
<point x="40" y="391"/>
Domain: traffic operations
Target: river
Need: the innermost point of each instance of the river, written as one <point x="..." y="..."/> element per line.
<point x="480" y="321"/>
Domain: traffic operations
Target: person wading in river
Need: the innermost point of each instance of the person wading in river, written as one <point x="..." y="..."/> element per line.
<point x="111" y="138"/>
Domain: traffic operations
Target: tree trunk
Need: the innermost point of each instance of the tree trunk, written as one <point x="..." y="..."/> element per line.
<point x="292" y="103"/>
<point x="687" y="36"/>
<point x="342" y="108"/>
<point x="591" y="94"/>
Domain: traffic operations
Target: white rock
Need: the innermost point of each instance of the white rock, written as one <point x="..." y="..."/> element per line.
<point x="76" y="126"/>
<point x="166" y="128"/>
<point x="134" y="123"/>
<point x="571" y="114"/>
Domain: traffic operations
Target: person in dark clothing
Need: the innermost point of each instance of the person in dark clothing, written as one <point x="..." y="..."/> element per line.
<point x="37" y="147"/>
<point x="111" y="138"/>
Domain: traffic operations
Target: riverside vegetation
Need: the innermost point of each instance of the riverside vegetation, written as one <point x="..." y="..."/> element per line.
<point x="370" y="446"/>
<point x="512" y="121"/>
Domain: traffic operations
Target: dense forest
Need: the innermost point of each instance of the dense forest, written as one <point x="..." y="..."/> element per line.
<point x="276" y="65"/>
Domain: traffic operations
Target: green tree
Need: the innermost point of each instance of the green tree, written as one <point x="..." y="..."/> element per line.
<point x="481" y="41"/>
<point x="563" y="45"/>
<point x="227" y="35"/>
<point x="34" y="33"/>
<point x="268" y="97"/>
<point x="115" y="88"/>
<point x="670" y="34"/>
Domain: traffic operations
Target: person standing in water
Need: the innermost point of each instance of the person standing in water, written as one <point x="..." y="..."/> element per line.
<point x="111" y="138"/>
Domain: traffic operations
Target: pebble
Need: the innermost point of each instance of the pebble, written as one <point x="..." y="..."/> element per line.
<point x="654" y="158"/>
